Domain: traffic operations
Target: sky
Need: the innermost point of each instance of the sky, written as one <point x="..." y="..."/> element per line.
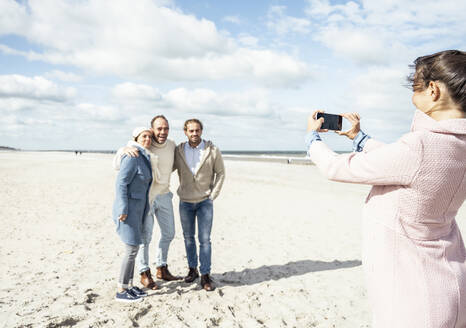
<point x="83" y="74"/>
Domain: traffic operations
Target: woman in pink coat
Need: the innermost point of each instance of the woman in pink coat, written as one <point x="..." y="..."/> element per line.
<point x="413" y="253"/>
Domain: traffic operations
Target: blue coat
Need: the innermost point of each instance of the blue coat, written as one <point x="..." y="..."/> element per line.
<point x="132" y="193"/>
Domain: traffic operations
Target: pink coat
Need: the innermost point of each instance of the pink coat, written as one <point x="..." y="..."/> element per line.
<point x="413" y="254"/>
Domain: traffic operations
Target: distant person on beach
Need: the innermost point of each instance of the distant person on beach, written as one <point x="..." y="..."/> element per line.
<point x="160" y="200"/>
<point x="413" y="252"/>
<point x="130" y="209"/>
<point x="201" y="173"/>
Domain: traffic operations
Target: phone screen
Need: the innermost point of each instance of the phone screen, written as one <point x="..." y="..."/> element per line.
<point x="331" y="121"/>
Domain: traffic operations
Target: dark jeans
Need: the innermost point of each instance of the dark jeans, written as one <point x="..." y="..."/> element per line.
<point x="204" y="212"/>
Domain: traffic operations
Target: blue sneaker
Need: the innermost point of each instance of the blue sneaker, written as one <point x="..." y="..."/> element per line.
<point x="138" y="291"/>
<point x="127" y="296"/>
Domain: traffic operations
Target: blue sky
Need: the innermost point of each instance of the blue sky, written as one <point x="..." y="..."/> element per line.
<point x="82" y="74"/>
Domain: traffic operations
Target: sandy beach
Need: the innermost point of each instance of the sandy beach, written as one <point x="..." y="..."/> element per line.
<point x="276" y="262"/>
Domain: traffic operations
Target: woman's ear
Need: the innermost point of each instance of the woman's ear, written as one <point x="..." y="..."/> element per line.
<point x="434" y="90"/>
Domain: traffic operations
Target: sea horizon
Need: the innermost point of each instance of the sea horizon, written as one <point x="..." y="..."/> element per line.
<point x="278" y="153"/>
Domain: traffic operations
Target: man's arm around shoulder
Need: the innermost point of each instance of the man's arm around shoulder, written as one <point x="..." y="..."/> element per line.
<point x="128" y="150"/>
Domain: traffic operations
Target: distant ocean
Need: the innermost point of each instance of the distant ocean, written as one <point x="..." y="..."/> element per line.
<point x="284" y="153"/>
<point x="286" y="157"/>
<point x="295" y="153"/>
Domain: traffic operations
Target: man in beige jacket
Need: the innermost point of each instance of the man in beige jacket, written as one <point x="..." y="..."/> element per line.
<point x="201" y="173"/>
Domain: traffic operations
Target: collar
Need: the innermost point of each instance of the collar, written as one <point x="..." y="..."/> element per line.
<point x="200" y="146"/>
<point x="155" y="144"/>
<point x="422" y="121"/>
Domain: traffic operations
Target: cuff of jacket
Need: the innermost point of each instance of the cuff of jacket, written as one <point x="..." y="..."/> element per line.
<point x="359" y="141"/>
<point x="311" y="136"/>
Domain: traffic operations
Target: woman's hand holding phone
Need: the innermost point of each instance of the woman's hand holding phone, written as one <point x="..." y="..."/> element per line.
<point x="314" y="124"/>
<point x="352" y="132"/>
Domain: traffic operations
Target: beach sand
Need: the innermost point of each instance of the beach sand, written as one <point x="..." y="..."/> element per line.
<point x="286" y="249"/>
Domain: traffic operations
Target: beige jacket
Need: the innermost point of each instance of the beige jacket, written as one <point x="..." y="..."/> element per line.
<point x="207" y="180"/>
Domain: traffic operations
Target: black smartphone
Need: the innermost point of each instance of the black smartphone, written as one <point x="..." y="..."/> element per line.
<point x="331" y="121"/>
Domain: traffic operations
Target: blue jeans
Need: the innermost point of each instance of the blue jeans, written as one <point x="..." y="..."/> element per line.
<point x="162" y="209"/>
<point x="204" y="211"/>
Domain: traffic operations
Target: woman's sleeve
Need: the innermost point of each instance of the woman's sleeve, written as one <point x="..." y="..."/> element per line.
<point x="364" y="143"/>
<point x="372" y="144"/>
<point x="389" y="164"/>
<point x="128" y="169"/>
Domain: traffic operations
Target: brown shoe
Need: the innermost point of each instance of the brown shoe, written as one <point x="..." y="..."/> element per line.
<point x="207" y="283"/>
<point x="164" y="274"/>
<point x="147" y="281"/>
<point x="193" y="274"/>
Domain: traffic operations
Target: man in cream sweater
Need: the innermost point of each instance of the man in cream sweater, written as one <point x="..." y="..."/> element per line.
<point x="161" y="152"/>
<point x="201" y="173"/>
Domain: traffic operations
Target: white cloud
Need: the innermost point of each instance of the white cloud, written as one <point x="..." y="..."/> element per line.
<point x="54" y="125"/>
<point x="198" y="100"/>
<point x="149" y="45"/>
<point x="383" y="31"/>
<point x="143" y="40"/>
<point x="13" y="17"/>
<point x="132" y="91"/>
<point x="8" y="105"/>
<point x="19" y="86"/>
<point x="364" y="47"/>
<point x="283" y="24"/>
<point x="383" y="100"/>
<point x="63" y="76"/>
<point x="248" y="40"/>
<point x="381" y="88"/>
<point x="232" y="19"/>
<point x="36" y="112"/>
<point x="100" y="113"/>
<point x="167" y="3"/>
<point x="252" y="103"/>
<point x="36" y="124"/>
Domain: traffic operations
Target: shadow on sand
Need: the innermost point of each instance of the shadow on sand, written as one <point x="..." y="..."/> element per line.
<point x="276" y="272"/>
<point x="259" y="275"/>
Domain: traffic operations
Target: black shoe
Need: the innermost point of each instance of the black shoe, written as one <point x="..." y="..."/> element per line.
<point x="207" y="283"/>
<point x="193" y="274"/>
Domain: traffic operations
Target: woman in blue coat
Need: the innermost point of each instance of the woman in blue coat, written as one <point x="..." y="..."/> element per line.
<point x="129" y="210"/>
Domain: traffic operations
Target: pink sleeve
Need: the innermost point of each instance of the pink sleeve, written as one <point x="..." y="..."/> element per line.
<point x="372" y="144"/>
<point x="390" y="164"/>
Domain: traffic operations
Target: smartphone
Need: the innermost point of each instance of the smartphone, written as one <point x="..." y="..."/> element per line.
<point x="331" y="121"/>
